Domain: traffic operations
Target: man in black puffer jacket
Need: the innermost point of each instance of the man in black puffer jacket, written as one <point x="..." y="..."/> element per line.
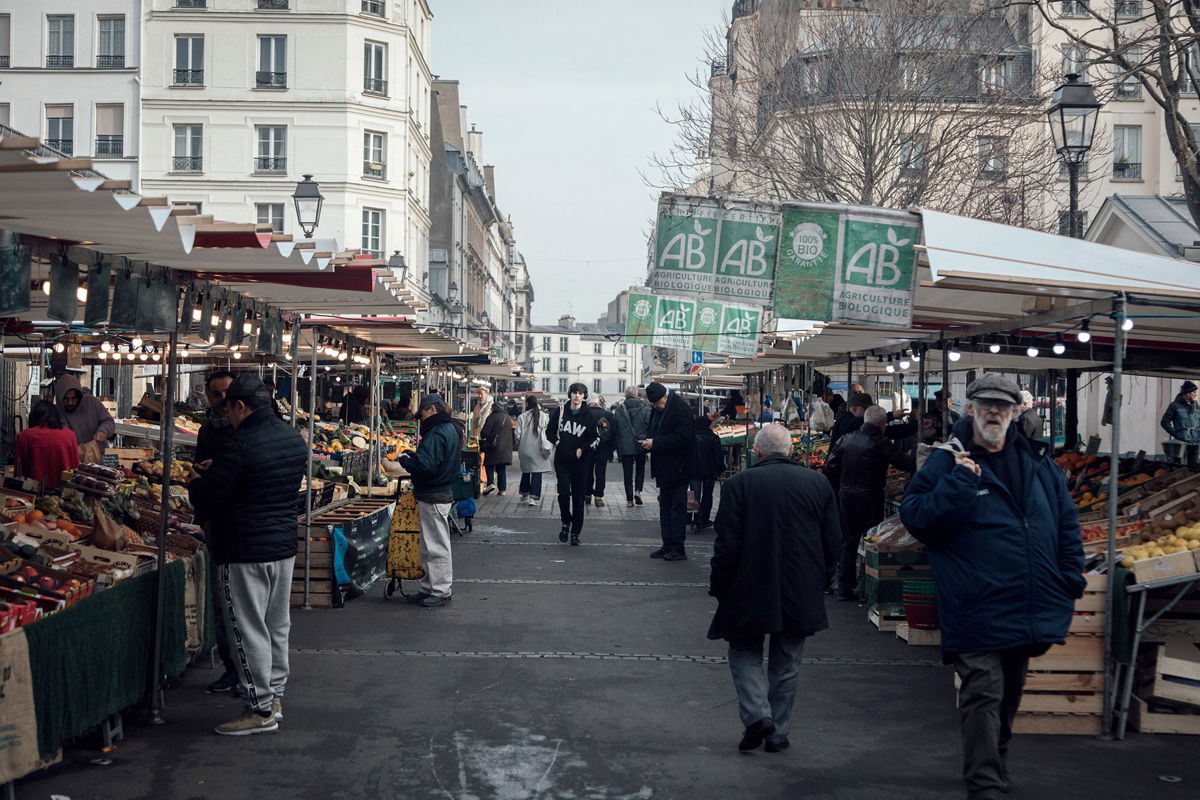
<point x="671" y="443"/>
<point x="250" y="495"/>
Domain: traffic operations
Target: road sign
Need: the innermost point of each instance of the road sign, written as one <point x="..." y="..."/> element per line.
<point x="697" y="357"/>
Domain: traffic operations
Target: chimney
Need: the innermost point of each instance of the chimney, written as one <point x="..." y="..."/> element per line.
<point x="566" y="321"/>
<point x="489" y="175"/>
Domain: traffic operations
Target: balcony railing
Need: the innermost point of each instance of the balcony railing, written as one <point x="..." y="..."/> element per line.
<point x="1128" y="89"/>
<point x="189" y="77"/>
<point x="374" y="169"/>
<point x="1128" y="8"/>
<point x="270" y="80"/>
<point x="719" y="67"/>
<point x="375" y="86"/>
<point x="1074" y="8"/>
<point x="992" y="173"/>
<point x="187" y="163"/>
<point x="1127" y="171"/>
<point x="110" y="62"/>
<point x="271" y="165"/>
<point x="60" y="62"/>
<point x="191" y="3"/>
<point x="373" y="7"/>
<point x="3" y="62"/>
<point x="64" y="146"/>
<point x="110" y="145"/>
<point x="274" y="5"/>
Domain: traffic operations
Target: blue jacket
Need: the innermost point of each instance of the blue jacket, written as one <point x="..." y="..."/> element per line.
<point x="1182" y="420"/>
<point x="1006" y="576"/>
<point x="437" y="463"/>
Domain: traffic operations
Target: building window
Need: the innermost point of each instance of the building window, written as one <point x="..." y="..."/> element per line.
<point x="372" y="231"/>
<point x="596" y="386"/>
<point x="270" y="214"/>
<point x="546" y="344"/>
<point x="912" y="156"/>
<point x="597" y="366"/>
<point x="373" y="7"/>
<point x="271" y="158"/>
<point x="374" y="154"/>
<point x="60" y="128"/>
<point x="60" y="50"/>
<point x="546" y="385"/>
<point x="1128" y="8"/>
<point x="597" y="348"/>
<point x="1187" y="70"/>
<point x="191" y="3"/>
<point x="1064" y="223"/>
<point x="1128" y="86"/>
<point x="273" y="5"/>
<point x="189" y="148"/>
<point x="110" y="52"/>
<point x="622" y="366"/>
<point x="196" y="204"/>
<point x="5" y="41"/>
<point x="992" y="152"/>
<point x="563" y="366"/>
<point x="1074" y="8"/>
<point x="189" y="61"/>
<point x="622" y="349"/>
<point x="110" y="130"/>
<point x="622" y="385"/>
<point x="272" y="63"/>
<point x="375" y="68"/>
<point x="1074" y="60"/>
<point x="995" y="76"/>
<point x="545" y="365"/>
<point x="562" y="384"/>
<point x="564" y="344"/>
<point x="1127" y="152"/>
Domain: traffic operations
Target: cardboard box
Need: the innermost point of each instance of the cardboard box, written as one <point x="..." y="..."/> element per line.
<point x="121" y="565"/>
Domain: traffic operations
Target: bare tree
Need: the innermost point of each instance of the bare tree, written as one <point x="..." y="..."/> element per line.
<point x="889" y="103"/>
<point x="1151" y="45"/>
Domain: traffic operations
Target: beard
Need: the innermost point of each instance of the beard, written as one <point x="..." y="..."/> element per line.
<point x="991" y="434"/>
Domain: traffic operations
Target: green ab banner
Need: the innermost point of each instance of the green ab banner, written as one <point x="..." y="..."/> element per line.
<point x="706" y="248"/>
<point x="847" y="265"/>
<point x="686" y="323"/>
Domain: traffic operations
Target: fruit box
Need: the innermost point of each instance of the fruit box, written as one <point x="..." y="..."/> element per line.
<point x="22" y="610"/>
<point x="1173" y="565"/>
<point x="120" y="565"/>
<point x="1177" y="672"/>
<point x="52" y="582"/>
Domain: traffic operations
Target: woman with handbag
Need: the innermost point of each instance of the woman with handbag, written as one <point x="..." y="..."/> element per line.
<point x="533" y="450"/>
<point x="496" y="443"/>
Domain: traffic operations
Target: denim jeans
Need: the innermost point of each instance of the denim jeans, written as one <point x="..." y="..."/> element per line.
<point x="531" y="484"/>
<point x="628" y="463"/>
<point x="767" y="693"/>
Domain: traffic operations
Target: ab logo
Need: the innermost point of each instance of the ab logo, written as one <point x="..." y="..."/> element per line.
<point x="686" y="250"/>
<point x="877" y="263"/>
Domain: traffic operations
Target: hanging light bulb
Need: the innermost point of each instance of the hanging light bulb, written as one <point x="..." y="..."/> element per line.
<point x="214" y="320"/>
<point x="904" y="362"/>
<point x="59" y="347"/>
<point x="247" y="326"/>
<point x="288" y="356"/>
<point x="130" y="356"/>
<point x="916" y="352"/>
<point x="954" y="354"/>
<point x="103" y="355"/>
<point x="1127" y="325"/>
<point x="228" y="324"/>
<point x="233" y="348"/>
<point x="287" y="338"/>
<point x="1085" y="333"/>
<point x="236" y="354"/>
<point x="342" y="356"/>
<point x="1032" y="351"/>
<point x="136" y="343"/>
<point x="183" y="352"/>
<point x="143" y="356"/>
<point x="46" y="287"/>
<point x="890" y="366"/>
<point x="1060" y="346"/>
<point x="994" y="347"/>
<point x="81" y="294"/>
<point x="212" y="338"/>
<point x="155" y="357"/>
<point x="196" y="314"/>
<point x="106" y="346"/>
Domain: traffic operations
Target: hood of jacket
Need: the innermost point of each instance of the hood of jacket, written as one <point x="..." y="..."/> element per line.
<point x="64" y="384"/>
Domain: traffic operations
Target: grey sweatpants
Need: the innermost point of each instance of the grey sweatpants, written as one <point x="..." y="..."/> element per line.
<point x="255" y="600"/>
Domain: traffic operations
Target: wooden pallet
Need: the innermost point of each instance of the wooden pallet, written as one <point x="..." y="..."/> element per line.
<point x="1057" y="724"/>
<point x="918" y="637"/>
<point x="887" y="624"/>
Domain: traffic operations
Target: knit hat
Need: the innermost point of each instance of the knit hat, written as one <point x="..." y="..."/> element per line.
<point x="1187" y="388"/>
<point x="655" y="391"/>
<point x="433" y="399"/>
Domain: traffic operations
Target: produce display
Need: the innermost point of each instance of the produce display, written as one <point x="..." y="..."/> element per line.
<point x="1087" y="476"/>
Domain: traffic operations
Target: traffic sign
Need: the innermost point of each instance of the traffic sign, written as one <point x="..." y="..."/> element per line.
<point x="697" y="357"/>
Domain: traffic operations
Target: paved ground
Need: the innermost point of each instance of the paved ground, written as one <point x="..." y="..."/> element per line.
<point x="583" y="672"/>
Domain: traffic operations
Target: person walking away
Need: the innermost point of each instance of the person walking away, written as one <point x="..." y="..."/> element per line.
<point x="1181" y="421"/>
<point x="533" y="450"/>
<point x="496" y="442"/>
<point x="46" y="447"/>
<point x="250" y="493"/>
<point x="434" y="467"/>
<point x="572" y="466"/>
<point x="850" y="421"/>
<point x="994" y="497"/>
<point x="84" y="413"/>
<point x="630" y="419"/>
<point x="215" y="429"/>
<point x="671" y="443"/>
<point x="602" y="453"/>
<point x="775" y="550"/>
<point x="857" y="468"/>
<point x="1030" y="421"/>
<point x="706" y="469"/>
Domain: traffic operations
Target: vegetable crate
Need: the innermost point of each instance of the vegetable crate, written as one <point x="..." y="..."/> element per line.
<point x="323" y="588"/>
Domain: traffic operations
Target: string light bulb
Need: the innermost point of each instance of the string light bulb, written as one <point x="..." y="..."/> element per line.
<point x="196" y="314"/>
<point x="1127" y="325"/>
<point x="81" y="294"/>
<point x="1085" y="332"/>
<point x="1032" y="351"/>
<point x="237" y="354"/>
<point x="890" y="366"/>
<point x="59" y="347"/>
<point x="106" y="346"/>
<point x="1060" y="346"/>
<point x="155" y="357"/>
<point x="994" y="347"/>
<point x="103" y="355"/>
<point x="46" y="287"/>
<point x="137" y="342"/>
<point x="904" y="362"/>
<point x="954" y="354"/>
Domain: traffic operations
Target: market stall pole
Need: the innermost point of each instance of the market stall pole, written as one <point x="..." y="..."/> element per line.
<point x="945" y="391"/>
<point x="308" y="494"/>
<point x="1114" y="488"/>
<point x="1052" y="393"/>
<point x="373" y="437"/>
<point x="922" y="385"/>
<point x="160" y="588"/>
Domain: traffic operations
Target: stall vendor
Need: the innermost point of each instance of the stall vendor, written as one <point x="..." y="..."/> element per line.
<point x="85" y="414"/>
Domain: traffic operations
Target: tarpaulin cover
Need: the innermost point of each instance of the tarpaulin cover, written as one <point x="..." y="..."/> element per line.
<point x="98" y="288"/>
<point x="64" y="286"/>
<point x="14" y="279"/>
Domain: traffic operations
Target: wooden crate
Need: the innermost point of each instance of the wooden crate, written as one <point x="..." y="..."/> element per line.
<point x="1177" y="672"/>
<point x="882" y="621"/>
<point x="1057" y="724"/>
<point x="918" y="637"/>
<point x="1162" y="720"/>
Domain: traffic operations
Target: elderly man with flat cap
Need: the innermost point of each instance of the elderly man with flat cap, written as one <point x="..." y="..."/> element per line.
<point x="1003" y="539"/>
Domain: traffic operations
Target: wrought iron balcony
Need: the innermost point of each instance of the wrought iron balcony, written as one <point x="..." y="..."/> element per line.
<point x="189" y="77"/>
<point x="110" y="145"/>
<point x="3" y="62"/>
<point x="1128" y="8"/>
<point x="375" y="86"/>
<point x="1074" y="8"/>
<point x="719" y="67"/>
<point x="271" y="165"/>
<point x="1128" y="89"/>
<point x="110" y="62"/>
<point x="187" y="164"/>
<point x="60" y="62"/>
<point x="1127" y="171"/>
<point x="191" y="3"/>
<point x="270" y="80"/>
<point x="64" y="146"/>
<point x="374" y="169"/>
<point x="274" y="5"/>
<point x="373" y="7"/>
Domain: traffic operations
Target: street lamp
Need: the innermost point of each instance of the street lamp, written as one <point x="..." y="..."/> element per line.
<point x="308" y="200"/>
<point x="399" y="266"/>
<point x="484" y="320"/>
<point x="1072" y="115"/>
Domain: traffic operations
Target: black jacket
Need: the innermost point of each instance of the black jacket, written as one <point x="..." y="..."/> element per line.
<point x="251" y="492"/>
<point x="602" y="418"/>
<point x="709" y="462"/>
<point x="575" y="431"/>
<point x="213" y="433"/>
<point x="496" y="438"/>
<point x="846" y="423"/>
<point x="437" y="463"/>
<point x="858" y="463"/>
<point x="674" y="441"/>
<point x="778" y="534"/>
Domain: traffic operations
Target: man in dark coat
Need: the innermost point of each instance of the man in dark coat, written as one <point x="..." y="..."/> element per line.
<point x="850" y="421"/>
<point x="777" y="541"/>
<point x="706" y="469"/>
<point x="251" y="493"/>
<point x="670" y="442"/>
<point x="857" y="468"/>
<point x="1181" y="421"/>
<point x="606" y="444"/>
<point x="1003" y="539"/>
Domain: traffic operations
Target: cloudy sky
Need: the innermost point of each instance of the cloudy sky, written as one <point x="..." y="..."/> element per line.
<point x="565" y="94"/>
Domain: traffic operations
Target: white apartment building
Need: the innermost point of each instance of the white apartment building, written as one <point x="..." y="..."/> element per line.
<point x="568" y="352"/>
<point x="241" y="98"/>
<point x="69" y="74"/>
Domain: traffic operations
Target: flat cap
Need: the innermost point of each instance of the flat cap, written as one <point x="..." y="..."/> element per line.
<point x="994" y="386"/>
<point x="432" y="399"/>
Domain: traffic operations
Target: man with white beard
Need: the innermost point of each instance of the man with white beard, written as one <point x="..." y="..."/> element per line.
<point x="1003" y="539"/>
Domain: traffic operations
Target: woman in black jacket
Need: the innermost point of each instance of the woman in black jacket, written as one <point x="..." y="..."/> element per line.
<point x="707" y="468"/>
<point x="574" y="437"/>
<point x="496" y="442"/>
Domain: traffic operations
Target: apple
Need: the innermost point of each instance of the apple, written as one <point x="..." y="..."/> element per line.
<point x="48" y="583"/>
<point x="30" y="571"/>
<point x="72" y="583"/>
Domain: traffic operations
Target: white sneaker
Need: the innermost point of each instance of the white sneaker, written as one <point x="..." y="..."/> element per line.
<point x="533" y="502"/>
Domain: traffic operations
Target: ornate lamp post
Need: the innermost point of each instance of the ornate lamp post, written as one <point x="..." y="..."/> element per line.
<point x="308" y="200"/>
<point x="1072" y="115"/>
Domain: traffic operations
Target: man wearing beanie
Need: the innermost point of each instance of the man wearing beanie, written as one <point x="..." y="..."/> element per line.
<point x="671" y="443"/>
<point x="249" y="494"/>
<point x="1181" y="421"/>
<point x="434" y="468"/>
